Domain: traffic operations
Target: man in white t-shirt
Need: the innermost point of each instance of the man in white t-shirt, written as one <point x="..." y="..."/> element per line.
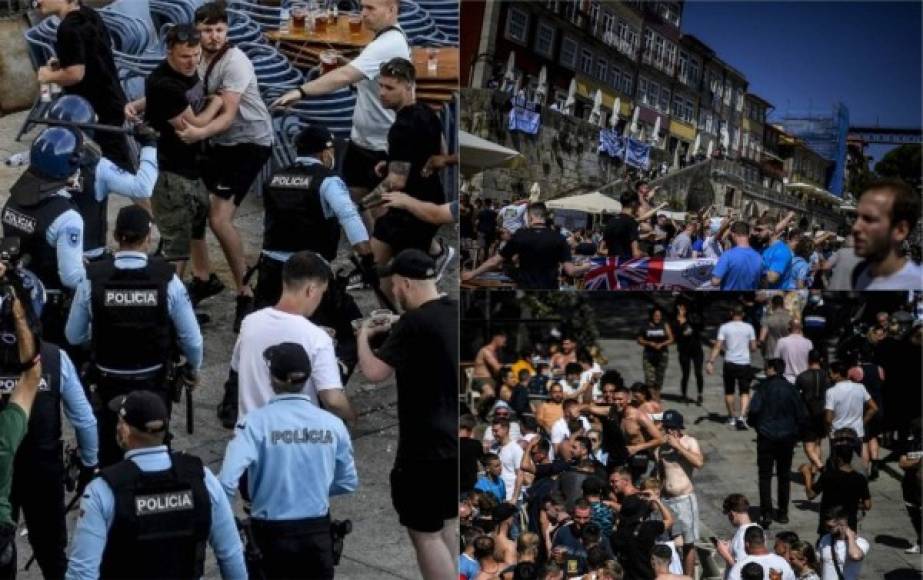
<point x="755" y="545"/>
<point x="513" y="216"/>
<point x="738" y="339"/>
<point x="368" y="140"/>
<point x="848" y="404"/>
<point x="793" y="350"/>
<point x="510" y="454"/>
<point x="737" y="509"/>
<point x="841" y="540"/>
<point x="560" y="432"/>
<point x="304" y="280"/>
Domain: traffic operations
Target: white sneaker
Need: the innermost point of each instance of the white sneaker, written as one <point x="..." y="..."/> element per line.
<point x="914" y="549"/>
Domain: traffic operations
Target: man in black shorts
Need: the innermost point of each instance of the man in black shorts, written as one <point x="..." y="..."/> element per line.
<point x="422" y="351"/>
<point x="415" y="136"/>
<point x="738" y="339"/>
<point x="85" y="67"/>
<point x="239" y="139"/>
<point x="542" y="253"/>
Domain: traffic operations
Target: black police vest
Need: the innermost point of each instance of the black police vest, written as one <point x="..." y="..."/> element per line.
<point x="294" y="218"/>
<point x="161" y="520"/>
<point x="30" y="224"/>
<point x="131" y="323"/>
<point x="91" y="210"/>
<point x="45" y="417"/>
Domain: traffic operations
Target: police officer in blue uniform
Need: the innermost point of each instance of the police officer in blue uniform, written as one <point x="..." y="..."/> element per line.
<point x="43" y="216"/>
<point x="38" y="473"/>
<point x="150" y="515"/>
<point x="296" y="455"/>
<point x="136" y="304"/>
<point x="100" y="177"/>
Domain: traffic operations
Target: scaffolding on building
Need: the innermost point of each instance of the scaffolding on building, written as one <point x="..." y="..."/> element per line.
<point x="826" y="134"/>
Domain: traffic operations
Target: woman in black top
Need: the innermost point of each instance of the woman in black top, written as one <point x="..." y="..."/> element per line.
<point x="687" y="330"/>
<point x="655" y="337"/>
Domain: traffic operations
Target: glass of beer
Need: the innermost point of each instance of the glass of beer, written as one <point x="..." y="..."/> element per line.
<point x="329" y="60"/>
<point x="355" y="23"/>
<point x="320" y="21"/>
<point x="299" y="13"/>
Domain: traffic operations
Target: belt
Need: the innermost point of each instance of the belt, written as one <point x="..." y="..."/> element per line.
<point x="137" y="375"/>
<point x="318" y="524"/>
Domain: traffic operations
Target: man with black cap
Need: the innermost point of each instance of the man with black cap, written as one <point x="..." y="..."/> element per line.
<point x="152" y="513"/>
<point x="14" y="419"/>
<point x="136" y="304"/>
<point x="276" y="445"/>
<point x="306" y="204"/>
<point x="42" y="215"/>
<point x="422" y="352"/>
<point x="677" y="459"/>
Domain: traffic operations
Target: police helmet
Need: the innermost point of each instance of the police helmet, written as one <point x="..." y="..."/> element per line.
<point x="56" y="153"/>
<point x="72" y="108"/>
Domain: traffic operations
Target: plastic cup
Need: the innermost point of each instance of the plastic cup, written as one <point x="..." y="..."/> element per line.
<point x="355" y="23"/>
<point x="329" y="60"/>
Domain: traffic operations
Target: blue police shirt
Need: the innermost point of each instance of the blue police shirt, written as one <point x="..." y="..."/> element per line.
<point x="179" y="308"/>
<point x="78" y="411"/>
<point x="110" y="178"/>
<point x="65" y="234"/>
<point x="335" y="201"/>
<point x="97" y="511"/>
<point x="296" y="455"/>
<point x="778" y="258"/>
<point x="738" y="269"/>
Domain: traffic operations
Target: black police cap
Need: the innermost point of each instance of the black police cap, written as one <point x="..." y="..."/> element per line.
<point x="313" y="139"/>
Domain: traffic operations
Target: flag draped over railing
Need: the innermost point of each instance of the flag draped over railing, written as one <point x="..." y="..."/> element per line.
<point x="635" y="153"/>
<point x="523" y="116"/>
<point x="649" y="274"/>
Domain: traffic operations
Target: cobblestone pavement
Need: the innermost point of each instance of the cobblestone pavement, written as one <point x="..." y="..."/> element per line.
<point x="378" y="547"/>
<point x="730" y="459"/>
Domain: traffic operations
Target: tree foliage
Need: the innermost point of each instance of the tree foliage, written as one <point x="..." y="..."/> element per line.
<point x="903" y="163"/>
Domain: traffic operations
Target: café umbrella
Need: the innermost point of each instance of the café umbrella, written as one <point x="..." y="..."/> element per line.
<point x="615" y="113"/>
<point x="571" y="97"/>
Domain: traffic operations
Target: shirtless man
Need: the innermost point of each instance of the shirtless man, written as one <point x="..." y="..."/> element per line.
<point x="676" y="461"/>
<point x="487" y="364"/>
<point x="641" y="399"/>
<point x="567" y="355"/>
<point x="661" y="555"/>
<point x="640" y="433"/>
<point x="551" y="410"/>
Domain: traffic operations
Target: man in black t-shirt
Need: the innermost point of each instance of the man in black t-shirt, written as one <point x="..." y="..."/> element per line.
<point x="621" y="233"/>
<point x="541" y="253"/>
<point x="415" y="136"/>
<point x="174" y="98"/>
<point x="85" y="67"/>
<point x="486" y="223"/>
<point x="422" y="352"/>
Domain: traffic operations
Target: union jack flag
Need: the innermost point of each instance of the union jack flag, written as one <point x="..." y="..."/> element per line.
<point x="648" y="274"/>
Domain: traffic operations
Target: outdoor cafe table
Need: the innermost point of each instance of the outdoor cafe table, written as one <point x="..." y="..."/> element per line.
<point x="303" y="49"/>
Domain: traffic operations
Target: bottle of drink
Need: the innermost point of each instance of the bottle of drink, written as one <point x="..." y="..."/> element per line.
<point x="284" y="16"/>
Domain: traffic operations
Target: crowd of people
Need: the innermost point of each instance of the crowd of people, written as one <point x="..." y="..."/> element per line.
<point x="130" y="339"/>
<point x="769" y="251"/>
<point x="571" y="470"/>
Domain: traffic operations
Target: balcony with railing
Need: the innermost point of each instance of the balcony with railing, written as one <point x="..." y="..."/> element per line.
<point x="661" y="64"/>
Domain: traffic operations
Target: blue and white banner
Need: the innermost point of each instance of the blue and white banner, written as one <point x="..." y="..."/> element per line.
<point x="524" y="120"/>
<point x="638" y="154"/>
<point x="611" y="143"/>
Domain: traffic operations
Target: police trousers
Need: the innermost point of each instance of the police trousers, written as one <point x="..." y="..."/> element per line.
<point x="108" y="388"/>
<point x="38" y="492"/>
<point x="295" y="549"/>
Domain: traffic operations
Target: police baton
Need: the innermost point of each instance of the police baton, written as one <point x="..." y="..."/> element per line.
<point x="77" y="125"/>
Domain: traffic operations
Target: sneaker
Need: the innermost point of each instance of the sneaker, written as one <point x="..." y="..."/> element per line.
<point x="873" y="471"/>
<point x="698" y="400"/>
<point x="914" y="549"/>
<point x="731" y="422"/>
<point x="444" y="258"/>
<point x="244" y="307"/>
<point x="741" y="424"/>
<point x="200" y="290"/>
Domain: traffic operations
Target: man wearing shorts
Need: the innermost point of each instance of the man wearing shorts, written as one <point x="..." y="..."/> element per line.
<point x="368" y="141"/>
<point x="421" y="350"/>
<point x="738" y="339"/>
<point x="174" y="99"/>
<point x="239" y="139"/>
<point x="677" y="459"/>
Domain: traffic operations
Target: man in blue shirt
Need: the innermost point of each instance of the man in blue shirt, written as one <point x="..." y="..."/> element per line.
<point x="490" y="482"/>
<point x="739" y="267"/>
<point x="777" y="256"/>
<point x="296" y="456"/>
<point x="152" y="513"/>
<point x="133" y="302"/>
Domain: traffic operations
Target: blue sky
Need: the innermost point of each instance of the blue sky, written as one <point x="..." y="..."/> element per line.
<point x="801" y="55"/>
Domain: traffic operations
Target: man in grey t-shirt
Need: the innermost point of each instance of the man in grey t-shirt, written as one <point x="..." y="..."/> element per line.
<point x="681" y="246"/>
<point x="371" y="120"/>
<point x="240" y="139"/>
<point x="888" y="211"/>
